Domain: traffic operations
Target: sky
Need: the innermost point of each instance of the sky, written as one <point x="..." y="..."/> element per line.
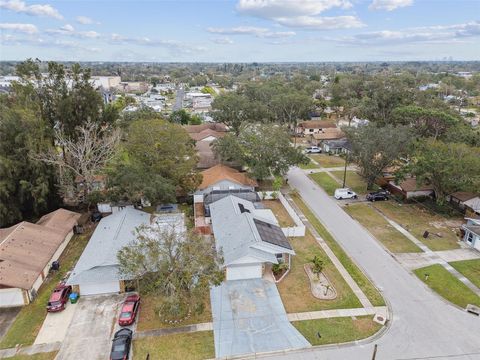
<point x="240" y="30"/>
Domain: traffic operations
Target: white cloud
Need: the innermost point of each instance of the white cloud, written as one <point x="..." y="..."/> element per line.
<point x="173" y="45"/>
<point x="389" y="5"/>
<point x="85" y="20"/>
<point x="19" y="6"/>
<point x="69" y="30"/>
<point x="300" y="14"/>
<point x="223" y="40"/>
<point x="23" y="28"/>
<point x="251" y="30"/>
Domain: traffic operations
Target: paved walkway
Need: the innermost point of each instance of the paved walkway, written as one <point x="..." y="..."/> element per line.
<point x="432" y="256"/>
<point x="326" y="314"/>
<point x="341" y="269"/>
<point x="30" y="350"/>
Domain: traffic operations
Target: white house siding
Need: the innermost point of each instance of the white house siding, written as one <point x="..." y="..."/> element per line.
<point x="11" y="297"/>
<point x="241" y="272"/>
<point x="225" y="185"/>
<point x="100" y="288"/>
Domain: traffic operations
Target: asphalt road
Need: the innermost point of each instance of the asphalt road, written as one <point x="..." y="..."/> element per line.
<point x="424" y="326"/>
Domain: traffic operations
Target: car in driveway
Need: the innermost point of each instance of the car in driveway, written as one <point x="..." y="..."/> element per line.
<point x="345" y="193"/>
<point x="59" y="298"/>
<point x="381" y="195"/>
<point x="313" y="150"/>
<point x="121" y="344"/>
<point x="129" y="310"/>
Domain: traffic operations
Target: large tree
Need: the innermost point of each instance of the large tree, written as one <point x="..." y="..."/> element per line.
<point x="374" y="148"/>
<point x="448" y="167"/>
<point x="233" y="110"/>
<point x="265" y="149"/>
<point x="177" y="266"/>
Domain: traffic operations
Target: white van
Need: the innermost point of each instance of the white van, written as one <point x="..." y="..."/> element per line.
<point x="345" y="193"/>
<point x="313" y="150"/>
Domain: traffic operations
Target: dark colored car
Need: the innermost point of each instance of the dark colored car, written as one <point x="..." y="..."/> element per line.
<point x="378" y="195"/>
<point x="96" y="216"/>
<point x="121" y="344"/>
<point x="59" y="298"/>
<point x="129" y="310"/>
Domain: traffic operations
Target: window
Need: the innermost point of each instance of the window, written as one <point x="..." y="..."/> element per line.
<point x="470" y="237"/>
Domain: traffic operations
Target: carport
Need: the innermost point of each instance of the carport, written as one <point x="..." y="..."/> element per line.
<point x="249" y="317"/>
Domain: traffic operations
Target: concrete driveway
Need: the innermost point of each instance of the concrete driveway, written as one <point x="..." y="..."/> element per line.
<point x="90" y="333"/>
<point x="55" y="325"/>
<point x="249" y="317"/>
<point x="7" y="317"/>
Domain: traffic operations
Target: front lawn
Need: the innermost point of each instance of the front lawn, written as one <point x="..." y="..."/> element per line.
<point x="310" y="165"/>
<point x="447" y="285"/>
<point x="337" y="330"/>
<point x="328" y="161"/>
<point x="362" y="281"/>
<point x="326" y="182"/>
<point x="40" y="356"/>
<point x="149" y="319"/>
<point x="295" y="290"/>
<point x="470" y="269"/>
<point x="29" y="320"/>
<point x="391" y="238"/>
<point x="417" y="220"/>
<point x="284" y="219"/>
<point x="189" y="346"/>
<point x="354" y="181"/>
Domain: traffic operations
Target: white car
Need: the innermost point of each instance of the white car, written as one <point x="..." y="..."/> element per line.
<point x="313" y="150"/>
<point x="345" y="194"/>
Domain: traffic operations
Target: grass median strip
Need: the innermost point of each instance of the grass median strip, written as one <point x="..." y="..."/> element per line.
<point x="29" y="320"/>
<point x="362" y="281"/>
<point x="326" y="182"/>
<point x="470" y="269"/>
<point x="446" y="285"/>
<point x="337" y="330"/>
<point x="391" y="238"/>
<point x="189" y="346"/>
<point x="42" y="356"/>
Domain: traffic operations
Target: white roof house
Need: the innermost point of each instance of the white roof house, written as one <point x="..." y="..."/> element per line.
<point x="248" y="237"/>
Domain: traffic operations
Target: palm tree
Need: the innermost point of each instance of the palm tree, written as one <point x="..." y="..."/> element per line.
<point x="318" y="265"/>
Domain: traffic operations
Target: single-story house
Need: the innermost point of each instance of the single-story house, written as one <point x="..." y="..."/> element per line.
<point x="408" y="188"/>
<point x="204" y="135"/>
<point x="472" y="232"/>
<point x="326" y="134"/>
<point x="340" y="146"/>
<point x="313" y="127"/>
<point x="97" y="270"/>
<point x="248" y="238"/>
<point x="465" y="201"/>
<point x="27" y="252"/>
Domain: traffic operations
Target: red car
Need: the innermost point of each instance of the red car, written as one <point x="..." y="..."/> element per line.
<point x="59" y="298"/>
<point x="129" y="310"/>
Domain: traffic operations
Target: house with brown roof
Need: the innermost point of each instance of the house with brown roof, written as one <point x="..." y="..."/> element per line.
<point x="204" y="135"/>
<point x="27" y="252"/>
<point x="408" y="188"/>
<point x="465" y="201"/>
<point x="312" y="127"/>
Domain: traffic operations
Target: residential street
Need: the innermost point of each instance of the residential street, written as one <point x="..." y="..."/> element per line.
<point x="423" y="326"/>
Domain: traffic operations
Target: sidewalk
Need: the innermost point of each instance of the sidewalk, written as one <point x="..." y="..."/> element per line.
<point x="30" y="350"/>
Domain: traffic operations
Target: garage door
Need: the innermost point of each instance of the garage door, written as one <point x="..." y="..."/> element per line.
<point x="11" y="297"/>
<point x="244" y="272"/>
<point x="100" y="288"/>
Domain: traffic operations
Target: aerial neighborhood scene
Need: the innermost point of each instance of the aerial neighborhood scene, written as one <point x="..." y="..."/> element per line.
<point x="240" y="179"/>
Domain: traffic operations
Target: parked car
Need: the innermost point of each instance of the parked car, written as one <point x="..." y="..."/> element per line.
<point x="378" y="195"/>
<point x="59" y="298"/>
<point x="96" y="216"/>
<point x="313" y="150"/>
<point x="345" y="193"/>
<point x="121" y="344"/>
<point x="129" y="310"/>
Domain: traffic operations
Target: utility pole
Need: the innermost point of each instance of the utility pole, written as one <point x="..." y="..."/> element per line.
<point x="345" y="171"/>
<point x="374" y="352"/>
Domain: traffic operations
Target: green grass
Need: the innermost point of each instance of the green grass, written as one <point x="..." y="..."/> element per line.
<point x="190" y="346"/>
<point x="41" y="356"/>
<point x="29" y="320"/>
<point x="354" y="181"/>
<point x="417" y="219"/>
<point x="337" y="330"/>
<point x="447" y="285"/>
<point x="326" y="182"/>
<point x="328" y="161"/>
<point x="470" y="269"/>
<point x="295" y="290"/>
<point x="391" y="238"/>
<point x="310" y="165"/>
<point x="362" y="281"/>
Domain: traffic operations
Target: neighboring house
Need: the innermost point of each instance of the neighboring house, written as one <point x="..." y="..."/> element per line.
<point x="27" y="252"/>
<point x="314" y="127"/>
<point x="340" y="146"/>
<point x="248" y="238"/>
<point x="204" y="135"/>
<point x="326" y="134"/>
<point x="472" y="232"/>
<point x="465" y="201"/>
<point x="408" y="188"/>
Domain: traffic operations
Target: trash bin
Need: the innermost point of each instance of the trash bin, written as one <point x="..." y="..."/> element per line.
<point x="73" y="298"/>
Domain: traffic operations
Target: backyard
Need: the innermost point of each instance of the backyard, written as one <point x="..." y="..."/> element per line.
<point x="447" y="285"/>
<point x="189" y="346"/>
<point x="470" y="269"/>
<point x="328" y="161"/>
<point x="391" y="238"/>
<point x="29" y="320"/>
<point x="284" y="219"/>
<point x="337" y="330"/>
<point x="326" y="182"/>
<point x="417" y="220"/>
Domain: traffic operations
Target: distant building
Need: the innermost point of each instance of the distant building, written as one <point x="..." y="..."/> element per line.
<point x="106" y="82"/>
<point x="314" y="127"/>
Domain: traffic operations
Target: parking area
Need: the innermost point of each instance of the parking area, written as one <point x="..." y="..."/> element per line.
<point x="91" y="328"/>
<point x="55" y="326"/>
<point x="249" y="317"/>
